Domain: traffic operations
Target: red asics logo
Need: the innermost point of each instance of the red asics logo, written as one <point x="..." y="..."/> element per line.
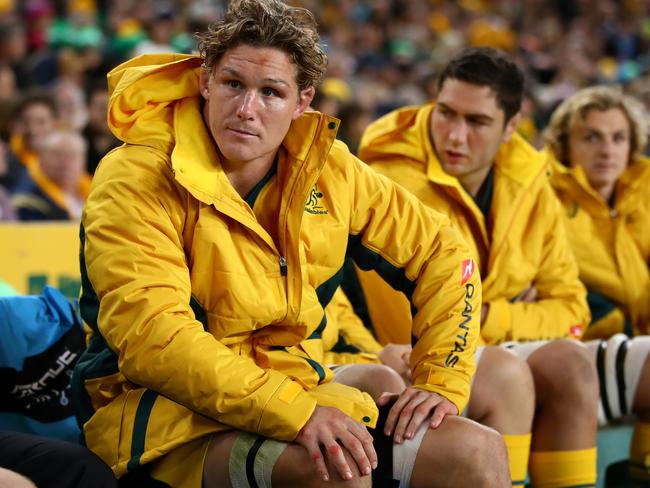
<point x="467" y="270"/>
<point x="575" y="331"/>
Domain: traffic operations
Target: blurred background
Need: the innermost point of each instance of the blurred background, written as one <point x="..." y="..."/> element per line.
<point x="54" y="56"/>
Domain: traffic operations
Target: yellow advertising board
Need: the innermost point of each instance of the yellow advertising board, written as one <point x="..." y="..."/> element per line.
<point x="33" y="255"/>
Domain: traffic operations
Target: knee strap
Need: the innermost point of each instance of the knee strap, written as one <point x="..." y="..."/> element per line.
<point x="382" y="476"/>
<point x="251" y="461"/>
<point x="619" y="361"/>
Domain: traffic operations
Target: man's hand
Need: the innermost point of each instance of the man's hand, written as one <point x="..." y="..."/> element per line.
<point x="331" y="428"/>
<point x="529" y="295"/>
<point x="485" y="309"/>
<point x="398" y="357"/>
<point x="412" y="407"/>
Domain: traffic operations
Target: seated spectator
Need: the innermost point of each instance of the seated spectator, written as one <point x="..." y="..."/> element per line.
<point x="98" y="136"/>
<point x="596" y="138"/>
<point x="57" y="186"/>
<point x="34" y="117"/>
<point x="6" y="207"/>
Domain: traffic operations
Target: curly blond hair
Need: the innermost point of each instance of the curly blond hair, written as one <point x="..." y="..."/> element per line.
<point x="575" y="108"/>
<point x="268" y="23"/>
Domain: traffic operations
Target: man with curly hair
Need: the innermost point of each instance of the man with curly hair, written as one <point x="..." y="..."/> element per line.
<point x="213" y="240"/>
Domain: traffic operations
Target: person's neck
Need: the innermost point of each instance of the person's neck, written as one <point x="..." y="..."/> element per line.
<point x="607" y="192"/>
<point x="244" y="176"/>
<point x="473" y="181"/>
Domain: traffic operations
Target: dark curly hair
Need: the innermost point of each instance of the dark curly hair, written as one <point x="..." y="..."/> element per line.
<point x="268" y="23"/>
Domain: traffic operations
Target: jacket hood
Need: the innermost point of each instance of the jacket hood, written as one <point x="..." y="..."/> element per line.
<point x="140" y="91"/>
<point x="404" y="133"/>
<point x="155" y="102"/>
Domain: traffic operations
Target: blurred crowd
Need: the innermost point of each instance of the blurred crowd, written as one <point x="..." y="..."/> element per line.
<point x="54" y="56"/>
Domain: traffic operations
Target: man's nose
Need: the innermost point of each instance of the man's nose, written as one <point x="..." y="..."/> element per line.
<point x="458" y="132"/>
<point x="247" y="105"/>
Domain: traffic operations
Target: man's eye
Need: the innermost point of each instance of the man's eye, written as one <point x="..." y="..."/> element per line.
<point x="269" y="92"/>
<point x="233" y="83"/>
<point x="620" y="138"/>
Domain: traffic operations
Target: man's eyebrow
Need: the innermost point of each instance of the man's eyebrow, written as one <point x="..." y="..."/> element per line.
<point x="471" y="115"/>
<point x="233" y="72"/>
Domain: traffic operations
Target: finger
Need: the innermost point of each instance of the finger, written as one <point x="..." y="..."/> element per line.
<point x="396" y="409"/>
<point x="335" y="455"/>
<point x="420" y="415"/>
<point x="317" y="458"/>
<point x="361" y="433"/>
<point x="357" y="451"/>
<point x="386" y="397"/>
<point x="406" y="415"/>
<point x="440" y="412"/>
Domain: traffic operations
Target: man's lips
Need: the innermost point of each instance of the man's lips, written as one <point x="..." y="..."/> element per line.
<point x="242" y="132"/>
<point x="454" y="155"/>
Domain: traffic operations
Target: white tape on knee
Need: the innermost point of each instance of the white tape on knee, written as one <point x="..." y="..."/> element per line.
<point x="404" y="455"/>
<point x="619" y="362"/>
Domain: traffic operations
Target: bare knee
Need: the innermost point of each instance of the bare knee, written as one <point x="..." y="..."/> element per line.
<point x="11" y="478"/>
<point x="374" y="379"/>
<point x="461" y="453"/>
<point x="503" y="392"/>
<point x="564" y="372"/>
<point x="293" y="468"/>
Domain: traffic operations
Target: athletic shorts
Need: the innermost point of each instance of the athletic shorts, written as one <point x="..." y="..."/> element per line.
<point x="253" y="457"/>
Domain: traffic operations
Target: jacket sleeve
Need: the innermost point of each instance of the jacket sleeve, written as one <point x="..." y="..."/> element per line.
<point x="416" y="251"/>
<point x="351" y="342"/>
<point x="607" y="318"/>
<point x="139" y="272"/>
<point x="560" y="309"/>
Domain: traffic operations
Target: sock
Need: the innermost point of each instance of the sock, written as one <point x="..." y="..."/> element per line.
<point x="640" y="451"/>
<point x="563" y="469"/>
<point x="518" y="451"/>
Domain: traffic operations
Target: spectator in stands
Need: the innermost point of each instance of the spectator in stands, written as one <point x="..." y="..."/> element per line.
<point x="57" y="186"/>
<point x="596" y="139"/>
<point x="34" y="117"/>
<point x="98" y="136"/>
<point x="460" y="156"/>
<point x="211" y="243"/>
<point x="70" y="103"/>
<point x="6" y="208"/>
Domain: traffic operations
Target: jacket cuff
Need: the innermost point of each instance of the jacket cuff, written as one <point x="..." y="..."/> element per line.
<point x="497" y="327"/>
<point x="286" y="412"/>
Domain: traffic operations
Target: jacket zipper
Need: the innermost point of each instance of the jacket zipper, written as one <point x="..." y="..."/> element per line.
<point x="283" y="266"/>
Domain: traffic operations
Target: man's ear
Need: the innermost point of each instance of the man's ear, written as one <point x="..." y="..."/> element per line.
<point x="204" y="81"/>
<point x="304" y="99"/>
<point x="511" y="127"/>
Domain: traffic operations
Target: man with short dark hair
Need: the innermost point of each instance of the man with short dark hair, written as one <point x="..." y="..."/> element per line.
<point x="462" y="156"/>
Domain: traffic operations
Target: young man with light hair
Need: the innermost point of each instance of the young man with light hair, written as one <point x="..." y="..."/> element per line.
<point x="596" y="139"/>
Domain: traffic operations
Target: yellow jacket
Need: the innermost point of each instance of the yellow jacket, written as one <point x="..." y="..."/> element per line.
<point x="200" y="322"/>
<point x="526" y="246"/>
<point x="345" y="339"/>
<point x="612" y="247"/>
